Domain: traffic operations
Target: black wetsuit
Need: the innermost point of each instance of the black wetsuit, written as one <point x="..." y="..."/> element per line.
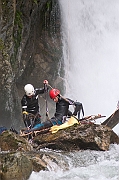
<point x="30" y="105"/>
<point x="62" y="111"/>
<point x="62" y="107"/>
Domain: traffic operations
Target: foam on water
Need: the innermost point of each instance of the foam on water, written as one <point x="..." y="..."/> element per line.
<point x="85" y="165"/>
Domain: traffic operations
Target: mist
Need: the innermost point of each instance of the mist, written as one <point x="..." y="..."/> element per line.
<point x="91" y="53"/>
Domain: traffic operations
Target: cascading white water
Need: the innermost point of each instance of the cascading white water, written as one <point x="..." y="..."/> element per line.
<point x="91" y="53"/>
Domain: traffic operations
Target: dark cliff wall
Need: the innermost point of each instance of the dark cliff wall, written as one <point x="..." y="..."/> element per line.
<point x="30" y="51"/>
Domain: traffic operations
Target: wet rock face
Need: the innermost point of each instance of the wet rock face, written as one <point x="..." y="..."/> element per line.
<point x="30" y="51"/>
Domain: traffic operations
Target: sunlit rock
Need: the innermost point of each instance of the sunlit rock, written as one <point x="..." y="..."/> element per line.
<point x="85" y="136"/>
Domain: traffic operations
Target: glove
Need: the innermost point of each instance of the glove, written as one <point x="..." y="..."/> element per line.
<point x="25" y="115"/>
<point x="45" y="82"/>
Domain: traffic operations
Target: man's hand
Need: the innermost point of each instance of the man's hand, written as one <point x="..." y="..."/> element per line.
<point x="45" y="82"/>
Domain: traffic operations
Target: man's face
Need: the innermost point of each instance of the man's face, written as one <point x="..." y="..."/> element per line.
<point x="55" y="99"/>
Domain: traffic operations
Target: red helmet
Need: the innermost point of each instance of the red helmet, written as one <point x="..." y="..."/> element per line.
<point x="54" y="93"/>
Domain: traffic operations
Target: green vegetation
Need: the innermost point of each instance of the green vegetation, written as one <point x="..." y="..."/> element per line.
<point x="48" y="5"/>
<point x="18" y="28"/>
<point x="35" y="1"/>
<point x="17" y="35"/>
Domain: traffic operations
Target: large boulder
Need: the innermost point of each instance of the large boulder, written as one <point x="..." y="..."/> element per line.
<point x="84" y="136"/>
<point x="79" y="136"/>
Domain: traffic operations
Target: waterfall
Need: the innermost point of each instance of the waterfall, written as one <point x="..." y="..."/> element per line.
<point x="90" y="31"/>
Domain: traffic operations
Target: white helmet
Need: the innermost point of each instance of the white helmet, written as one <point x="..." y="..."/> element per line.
<point x="29" y="89"/>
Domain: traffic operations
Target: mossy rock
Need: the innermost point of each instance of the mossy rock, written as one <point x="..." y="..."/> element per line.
<point x="10" y="141"/>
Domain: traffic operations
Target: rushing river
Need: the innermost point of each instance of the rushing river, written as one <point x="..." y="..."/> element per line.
<point x="84" y="165"/>
<point x="90" y="30"/>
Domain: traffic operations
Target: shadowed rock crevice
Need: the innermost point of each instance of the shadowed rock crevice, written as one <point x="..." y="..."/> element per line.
<point x="30" y="51"/>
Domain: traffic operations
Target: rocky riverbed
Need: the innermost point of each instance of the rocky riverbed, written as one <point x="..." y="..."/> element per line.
<point x="19" y="158"/>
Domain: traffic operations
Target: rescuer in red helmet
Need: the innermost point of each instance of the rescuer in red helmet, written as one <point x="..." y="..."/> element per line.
<point x="62" y="106"/>
<point x="53" y="93"/>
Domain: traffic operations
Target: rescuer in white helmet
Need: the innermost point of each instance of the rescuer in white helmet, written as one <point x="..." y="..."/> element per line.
<point x="30" y="105"/>
<point x="29" y="89"/>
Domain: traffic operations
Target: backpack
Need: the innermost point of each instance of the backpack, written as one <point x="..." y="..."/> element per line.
<point x="78" y="109"/>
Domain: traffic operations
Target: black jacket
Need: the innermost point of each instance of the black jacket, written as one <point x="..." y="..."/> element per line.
<point x="62" y="108"/>
<point x="31" y="104"/>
